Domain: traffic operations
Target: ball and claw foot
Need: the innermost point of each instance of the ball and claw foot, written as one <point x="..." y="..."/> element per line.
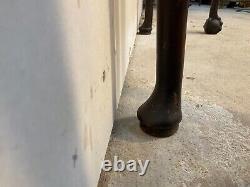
<point x="213" y="25"/>
<point x="158" y="119"/>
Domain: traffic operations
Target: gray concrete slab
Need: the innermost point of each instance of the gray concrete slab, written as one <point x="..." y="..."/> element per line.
<point x="212" y="146"/>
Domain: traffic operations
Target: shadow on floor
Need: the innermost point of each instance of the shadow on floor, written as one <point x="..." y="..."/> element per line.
<point x="196" y="32"/>
<point x="128" y="129"/>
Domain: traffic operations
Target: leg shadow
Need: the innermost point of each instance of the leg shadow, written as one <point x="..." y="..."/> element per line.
<point x="128" y="129"/>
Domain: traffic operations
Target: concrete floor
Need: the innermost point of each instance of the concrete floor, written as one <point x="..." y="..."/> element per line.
<point x="212" y="146"/>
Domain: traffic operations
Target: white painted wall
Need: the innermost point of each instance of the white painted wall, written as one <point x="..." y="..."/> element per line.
<point x="139" y="11"/>
<point x="127" y="14"/>
<point x="57" y="59"/>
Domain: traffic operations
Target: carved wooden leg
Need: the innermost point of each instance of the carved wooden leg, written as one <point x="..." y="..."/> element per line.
<point x="213" y="24"/>
<point x="146" y="27"/>
<point x="161" y="114"/>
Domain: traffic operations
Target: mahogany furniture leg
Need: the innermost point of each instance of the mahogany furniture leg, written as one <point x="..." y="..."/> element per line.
<point x="146" y="27"/>
<point x="213" y="24"/>
<point x="161" y="114"/>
